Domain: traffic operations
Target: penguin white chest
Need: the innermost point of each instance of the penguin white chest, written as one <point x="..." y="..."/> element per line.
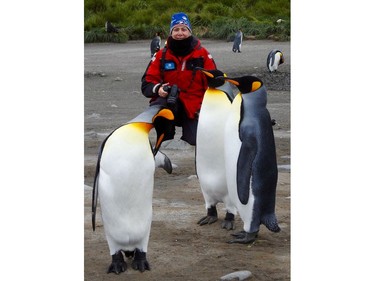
<point x="210" y="141"/>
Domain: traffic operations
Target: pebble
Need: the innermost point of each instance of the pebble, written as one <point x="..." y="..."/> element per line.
<point x="237" y="275"/>
<point x="192" y="177"/>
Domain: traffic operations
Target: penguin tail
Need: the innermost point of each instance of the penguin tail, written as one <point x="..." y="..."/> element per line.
<point x="270" y="222"/>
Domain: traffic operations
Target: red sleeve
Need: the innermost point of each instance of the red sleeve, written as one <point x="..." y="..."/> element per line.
<point x="209" y="63"/>
<point x="152" y="76"/>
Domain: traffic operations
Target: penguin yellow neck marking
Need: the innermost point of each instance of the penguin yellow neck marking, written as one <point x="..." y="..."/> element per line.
<point x="144" y="127"/>
<point x="214" y="91"/>
<point x="132" y="133"/>
<point x="215" y="96"/>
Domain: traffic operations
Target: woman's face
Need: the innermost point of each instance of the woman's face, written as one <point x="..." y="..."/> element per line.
<point x="180" y="32"/>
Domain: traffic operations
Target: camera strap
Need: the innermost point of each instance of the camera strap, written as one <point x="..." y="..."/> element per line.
<point x="162" y="64"/>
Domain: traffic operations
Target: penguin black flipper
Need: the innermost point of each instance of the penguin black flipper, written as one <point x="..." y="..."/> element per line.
<point x="245" y="161"/>
<point x="163" y="161"/>
<point x="270" y="59"/>
<point x="95" y="188"/>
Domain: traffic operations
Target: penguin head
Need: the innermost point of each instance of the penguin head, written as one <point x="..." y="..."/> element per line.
<point x="163" y="125"/>
<point x="215" y="77"/>
<point x="281" y="58"/>
<point x="246" y="84"/>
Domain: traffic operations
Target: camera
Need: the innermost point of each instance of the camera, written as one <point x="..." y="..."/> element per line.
<point x="172" y="97"/>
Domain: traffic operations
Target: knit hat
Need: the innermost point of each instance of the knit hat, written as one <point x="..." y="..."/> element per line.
<point x="180" y="18"/>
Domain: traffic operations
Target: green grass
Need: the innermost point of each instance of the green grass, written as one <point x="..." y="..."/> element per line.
<point x="140" y="19"/>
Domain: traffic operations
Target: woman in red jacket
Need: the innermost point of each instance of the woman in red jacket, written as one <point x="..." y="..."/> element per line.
<point x="176" y="64"/>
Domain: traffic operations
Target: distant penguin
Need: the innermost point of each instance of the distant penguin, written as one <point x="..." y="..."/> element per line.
<point x="274" y="59"/>
<point x="250" y="158"/>
<point x="210" y="166"/>
<point x="124" y="182"/>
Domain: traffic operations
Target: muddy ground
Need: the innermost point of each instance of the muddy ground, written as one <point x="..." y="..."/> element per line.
<point x="179" y="249"/>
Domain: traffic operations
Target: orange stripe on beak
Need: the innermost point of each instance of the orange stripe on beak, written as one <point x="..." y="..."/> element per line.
<point x="208" y="73"/>
<point x="232" y="81"/>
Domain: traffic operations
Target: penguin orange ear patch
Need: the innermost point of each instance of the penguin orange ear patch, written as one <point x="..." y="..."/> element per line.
<point x="166" y="113"/>
<point x="255" y="86"/>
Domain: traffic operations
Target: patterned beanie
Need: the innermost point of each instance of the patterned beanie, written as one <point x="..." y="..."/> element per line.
<point x="180" y="18"/>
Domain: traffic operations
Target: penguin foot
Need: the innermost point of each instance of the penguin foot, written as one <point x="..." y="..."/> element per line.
<point x="228" y="222"/>
<point x="207" y="220"/>
<point x="244" y="237"/>
<point x="140" y="262"/>
<point x="118" y="264"/>
<point x="239" y="234"/>
<point x="228" y="225"/>
<point x="210" y="218"/>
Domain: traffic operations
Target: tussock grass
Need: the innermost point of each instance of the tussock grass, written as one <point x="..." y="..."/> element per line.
<point x="140" y="19"/>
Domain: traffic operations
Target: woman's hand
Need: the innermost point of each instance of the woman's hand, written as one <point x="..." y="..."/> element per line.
<point x="161" y="91"/>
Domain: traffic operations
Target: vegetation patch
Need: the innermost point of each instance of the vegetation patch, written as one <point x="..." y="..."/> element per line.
<point x="140" y="19"/>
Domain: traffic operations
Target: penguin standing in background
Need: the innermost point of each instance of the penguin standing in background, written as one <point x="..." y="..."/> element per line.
<point x="274" y="59"/>
<point x="210" y="166"/>
<point x="237" y="42"/>
<point x="250" y="158"/>
<point x="124" y="182"/>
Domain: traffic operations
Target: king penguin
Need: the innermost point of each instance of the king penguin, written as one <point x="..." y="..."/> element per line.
<point x="250" y="158"/>
<point x="124" y="182"/>
<point x="210" y="166"/>
<point x="274" y="59"/>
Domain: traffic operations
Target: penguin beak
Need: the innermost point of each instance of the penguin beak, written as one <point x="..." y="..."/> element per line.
<point x="158" y="143"/>
<point x="231" y="81"/>
<point x="207" y="73"/>
<point x="255" y="85"/>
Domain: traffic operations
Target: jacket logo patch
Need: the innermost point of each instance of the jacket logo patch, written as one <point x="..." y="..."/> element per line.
<point x="169" y="65"/>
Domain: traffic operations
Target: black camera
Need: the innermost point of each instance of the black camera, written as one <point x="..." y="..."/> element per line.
<point x="172" y="97"/>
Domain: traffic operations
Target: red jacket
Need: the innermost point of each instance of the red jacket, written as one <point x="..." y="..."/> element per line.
<point x="180" y="71"/>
